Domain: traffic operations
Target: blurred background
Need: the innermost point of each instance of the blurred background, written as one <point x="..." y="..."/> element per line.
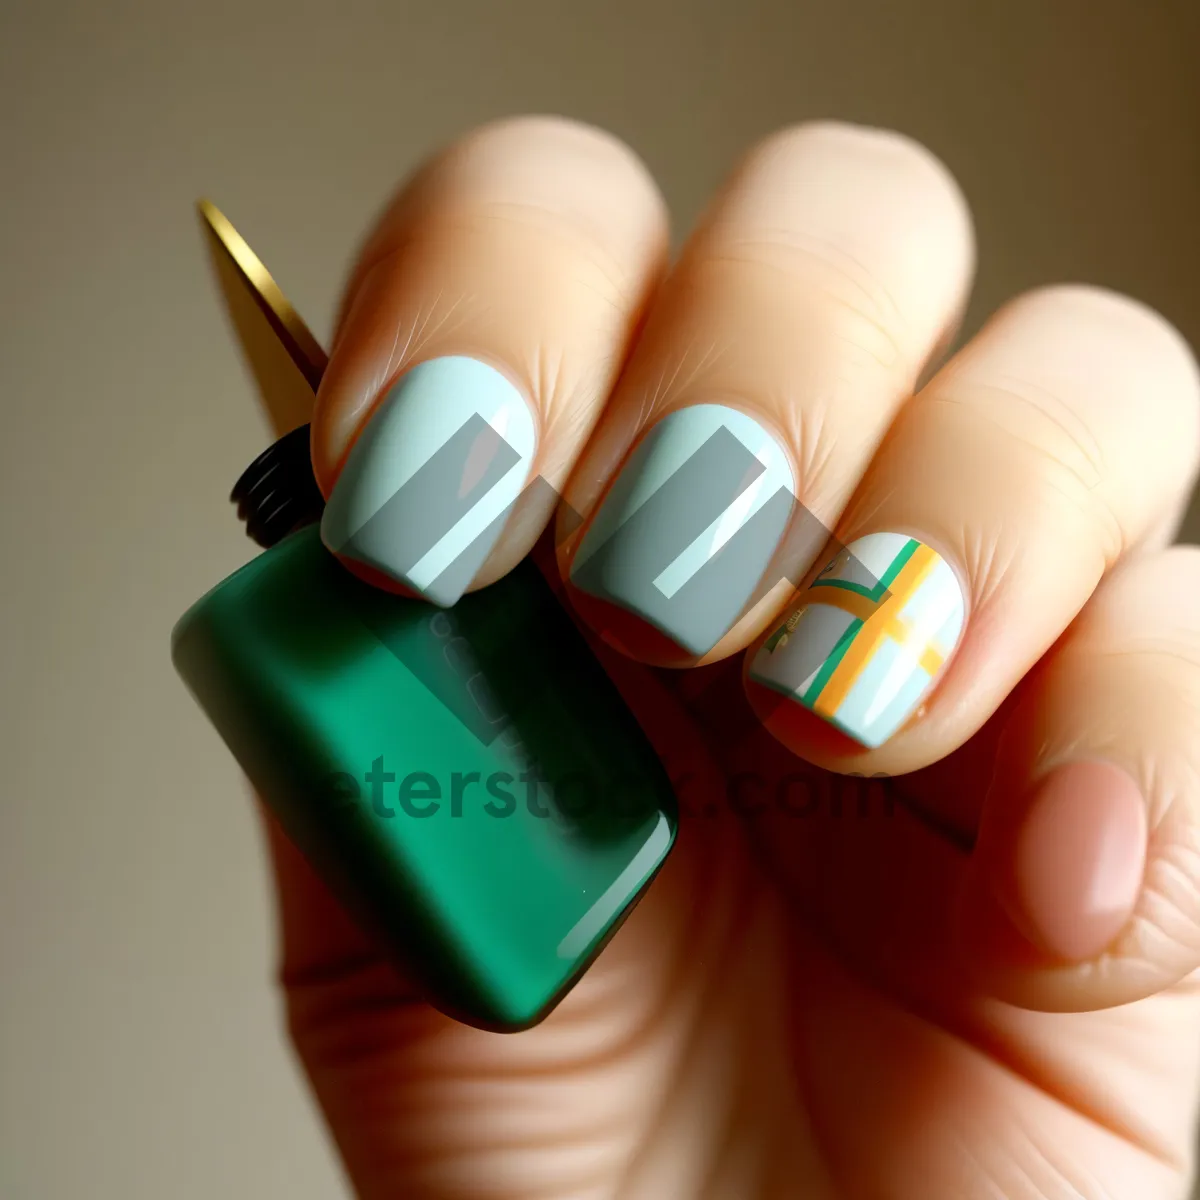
<point x="141" y="1052"/>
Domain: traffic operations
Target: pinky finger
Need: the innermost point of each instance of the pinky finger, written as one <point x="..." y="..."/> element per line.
<point x="1084" y="891"/>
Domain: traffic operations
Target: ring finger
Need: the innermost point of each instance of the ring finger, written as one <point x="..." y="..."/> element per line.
<point x="1064" y="436"/>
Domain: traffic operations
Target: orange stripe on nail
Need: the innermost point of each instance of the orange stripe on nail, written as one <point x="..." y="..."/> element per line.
<point x="875" y="630"/>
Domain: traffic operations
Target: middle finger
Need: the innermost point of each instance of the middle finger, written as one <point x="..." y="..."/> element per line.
<point x="796" y="322"/>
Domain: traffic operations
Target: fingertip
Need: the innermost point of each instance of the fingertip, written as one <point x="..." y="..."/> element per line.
<point x="1082" y="889"/>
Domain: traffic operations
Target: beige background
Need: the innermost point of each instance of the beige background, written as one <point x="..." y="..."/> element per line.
<point x="140" y="1051"/>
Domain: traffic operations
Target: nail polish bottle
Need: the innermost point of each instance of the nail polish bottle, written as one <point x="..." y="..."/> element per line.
<point x="468" y="781"/>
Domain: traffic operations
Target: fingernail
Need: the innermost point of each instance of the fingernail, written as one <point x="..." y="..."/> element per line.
<point x="685" y="533"/>
<point x="869" y="636"/>
<point x="427" y="487"/>
<point x="1078" y="861"/>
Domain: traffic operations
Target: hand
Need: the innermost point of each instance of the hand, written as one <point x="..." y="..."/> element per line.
<point x="970" y="977"/>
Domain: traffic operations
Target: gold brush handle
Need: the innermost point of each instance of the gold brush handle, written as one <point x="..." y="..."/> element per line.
<point x="287" y="361"/>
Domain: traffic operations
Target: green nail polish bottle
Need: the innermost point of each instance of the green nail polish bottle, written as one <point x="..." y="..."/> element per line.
<point x="468" y="781"/>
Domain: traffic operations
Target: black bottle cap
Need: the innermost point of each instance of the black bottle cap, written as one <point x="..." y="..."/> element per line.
<point x="277" y="493"/>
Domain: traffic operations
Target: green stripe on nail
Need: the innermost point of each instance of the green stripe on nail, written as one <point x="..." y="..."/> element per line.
<point x="831" y="663"/>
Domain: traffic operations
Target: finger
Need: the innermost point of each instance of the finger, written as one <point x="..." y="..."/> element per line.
<point x="773" y="359"/>
<point x="1085" y="886"/>
<point x="317" y="937"/>
<point x="487" y="322"/>
<point x="1057" y="441"/>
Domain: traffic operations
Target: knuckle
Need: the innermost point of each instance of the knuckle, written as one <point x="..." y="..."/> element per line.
<point x="862" y="233"/>
<point x="886" y="147"/>
<point x="549" y="135"/>
<point x="894" y="183"/>
<point x="551" y="174"/>
<point x="839" y="294"/>
<point x="1050" y="444"/>
<point x="1109" y="311"/>
<point x="1147" y="361"/>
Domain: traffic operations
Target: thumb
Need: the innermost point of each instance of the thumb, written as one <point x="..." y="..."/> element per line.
<point x="1084" y="891"/>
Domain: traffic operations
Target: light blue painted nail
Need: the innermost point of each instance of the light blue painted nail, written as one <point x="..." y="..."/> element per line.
<point x="429" y="484"/>
<point x="689" y="526"/>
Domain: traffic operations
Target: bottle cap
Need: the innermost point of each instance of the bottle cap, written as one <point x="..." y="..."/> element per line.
<point x="277" y="493"/>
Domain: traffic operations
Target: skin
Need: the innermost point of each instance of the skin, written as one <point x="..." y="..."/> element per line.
<point x="944" y="987"/>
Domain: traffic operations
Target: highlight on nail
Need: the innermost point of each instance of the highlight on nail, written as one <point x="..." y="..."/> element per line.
<point x="690" y="524"/>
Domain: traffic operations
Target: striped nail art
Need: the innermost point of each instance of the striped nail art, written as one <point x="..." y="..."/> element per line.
<point x="869" y="637"/>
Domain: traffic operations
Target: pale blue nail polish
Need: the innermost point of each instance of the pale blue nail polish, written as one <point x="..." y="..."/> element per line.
<point x="429" y="484"/>
<point x="684" y="535"/>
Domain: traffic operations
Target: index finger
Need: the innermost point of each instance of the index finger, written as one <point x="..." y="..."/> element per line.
<point x="486" y="323"/>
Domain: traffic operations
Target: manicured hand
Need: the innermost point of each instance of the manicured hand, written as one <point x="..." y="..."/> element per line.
<point x="917" y="654"/>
